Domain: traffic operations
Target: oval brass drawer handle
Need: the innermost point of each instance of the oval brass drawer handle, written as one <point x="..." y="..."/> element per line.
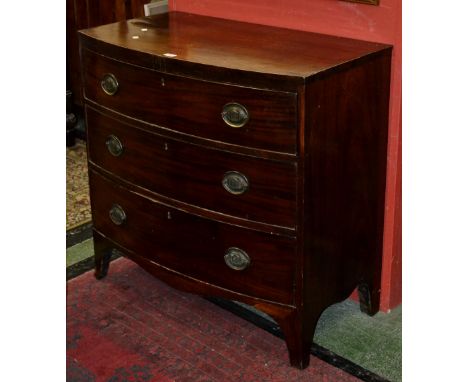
<point x="114" y="146"/>
<point x="117" y="215"/>
<point x="237" y="259"/>
<point x="235" y="183"/>
<point x="109" y="84"/>
<point x="235" y="115"/>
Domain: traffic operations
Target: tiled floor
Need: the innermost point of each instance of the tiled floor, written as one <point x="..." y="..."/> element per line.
<point x="371" y="342"/>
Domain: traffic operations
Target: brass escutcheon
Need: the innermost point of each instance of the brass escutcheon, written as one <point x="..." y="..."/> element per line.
<point x="235" y="115"/>
<point x="117" y="215"/>
<point x="237" y="259"/>
<point x="109" y="84"/>
<point x="235" y="182"/>
<point x="114" y="146"/>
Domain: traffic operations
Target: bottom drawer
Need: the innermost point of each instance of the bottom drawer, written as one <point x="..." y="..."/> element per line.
<point x="244" y="261"/>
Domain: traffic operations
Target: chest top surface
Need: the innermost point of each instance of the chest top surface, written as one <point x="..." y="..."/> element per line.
<point x="182" y="38"/>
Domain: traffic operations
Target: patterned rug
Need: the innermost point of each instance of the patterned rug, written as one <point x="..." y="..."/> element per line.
<point x="78" y="208"/>
<point x="130" y="327"/>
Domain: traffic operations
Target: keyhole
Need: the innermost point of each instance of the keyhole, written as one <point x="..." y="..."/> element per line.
<point x="162" y="82"/>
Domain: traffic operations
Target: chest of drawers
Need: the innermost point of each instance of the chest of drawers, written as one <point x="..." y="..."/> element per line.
<point x="240" y="161"/>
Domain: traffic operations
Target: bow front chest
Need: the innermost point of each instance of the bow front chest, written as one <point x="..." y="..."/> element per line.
<point x="240" y="161"/>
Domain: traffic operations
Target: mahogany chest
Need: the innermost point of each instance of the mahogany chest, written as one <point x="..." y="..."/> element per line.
<point x="240" y="161"/>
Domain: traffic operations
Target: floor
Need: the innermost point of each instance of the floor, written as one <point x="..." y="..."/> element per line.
<point x="374" y="343"/>
<point x="78" y="210"/>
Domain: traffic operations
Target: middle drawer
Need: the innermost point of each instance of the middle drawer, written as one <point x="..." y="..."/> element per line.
<point x="250" y="188"/>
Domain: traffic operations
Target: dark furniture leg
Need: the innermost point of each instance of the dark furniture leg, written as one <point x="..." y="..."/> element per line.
<point x="369" y="298"/>
<point x="102" y="255"/>
<point x="298" y="342"/>
<point x="298" y="332"/>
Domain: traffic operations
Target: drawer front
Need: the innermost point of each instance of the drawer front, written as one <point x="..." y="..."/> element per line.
<point x="250" y="188"/>
<point x="260" y="265"/>
<point x="194" y="107"/>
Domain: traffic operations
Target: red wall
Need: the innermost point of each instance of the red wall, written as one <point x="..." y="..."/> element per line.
<point x="374" y="23"/>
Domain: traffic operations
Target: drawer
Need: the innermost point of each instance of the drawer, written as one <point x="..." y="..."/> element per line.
<point x="246" y="187"/>
<point x="194" y="107"/>
<point x="194" y="246"/>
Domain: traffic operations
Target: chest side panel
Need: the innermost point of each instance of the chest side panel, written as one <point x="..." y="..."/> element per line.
<point x="345" y="173"/>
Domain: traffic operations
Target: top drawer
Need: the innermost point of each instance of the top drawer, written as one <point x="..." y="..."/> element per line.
<point x="255" y="118"/>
